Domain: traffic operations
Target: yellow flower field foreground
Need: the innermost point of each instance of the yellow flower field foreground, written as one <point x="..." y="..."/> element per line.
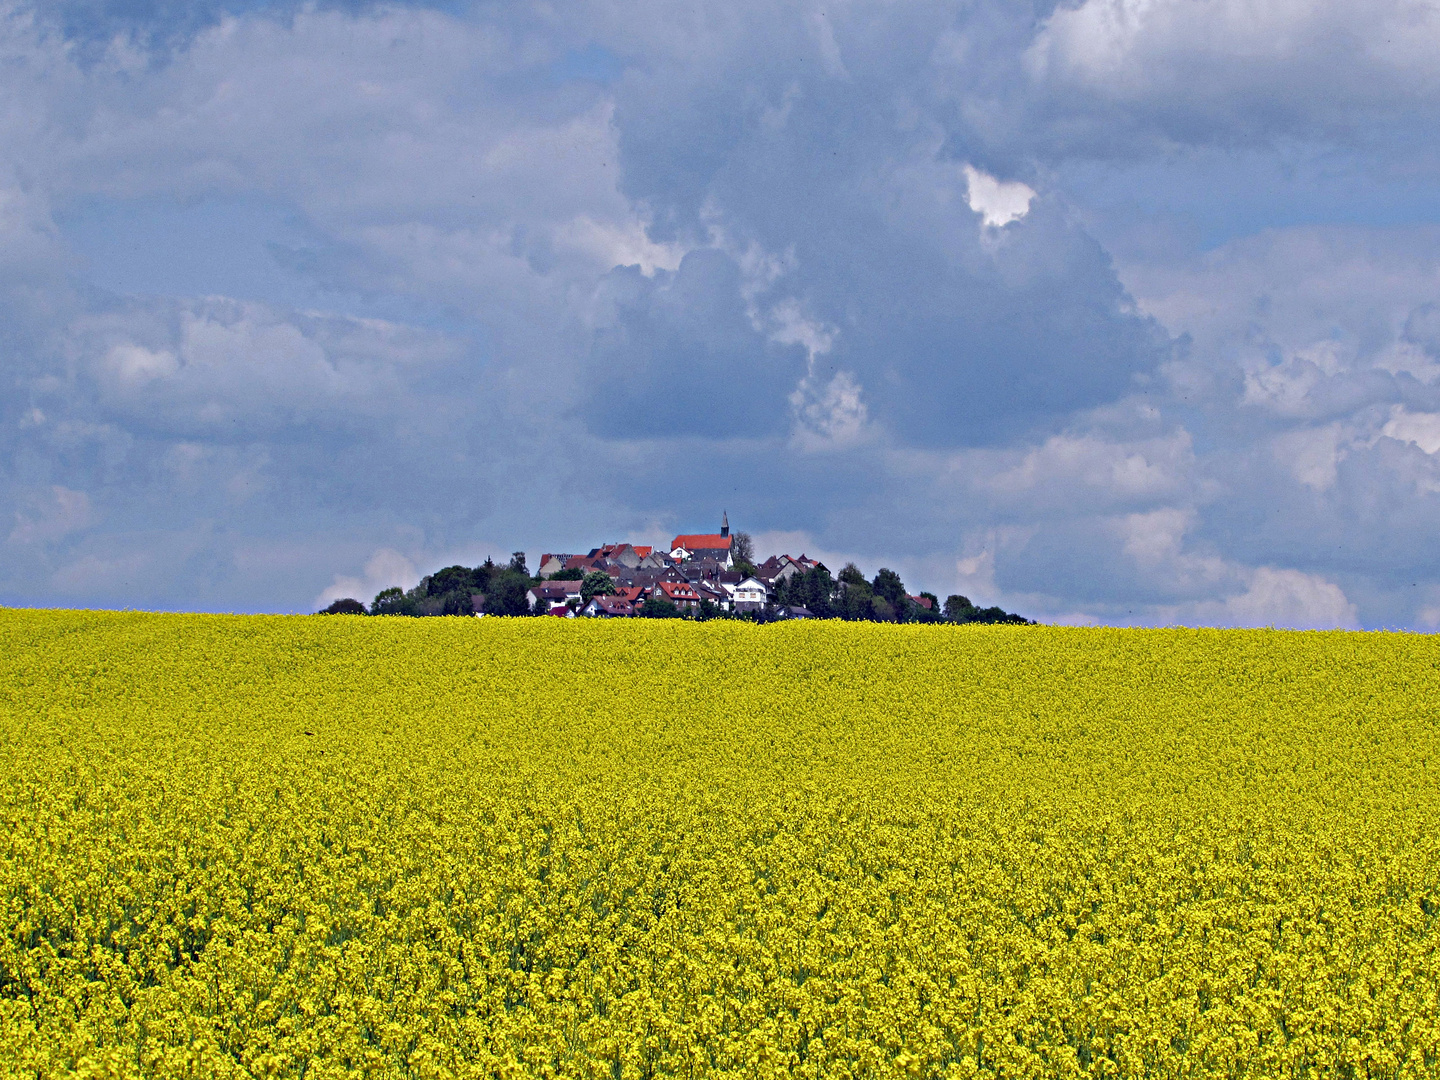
<point x="314" y="847"/>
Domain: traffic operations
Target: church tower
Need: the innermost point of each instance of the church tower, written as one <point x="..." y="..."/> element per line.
<point x="724" y="523"/>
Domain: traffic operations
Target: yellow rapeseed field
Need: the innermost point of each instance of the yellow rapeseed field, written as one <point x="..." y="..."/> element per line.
<point x="317" y="847"/>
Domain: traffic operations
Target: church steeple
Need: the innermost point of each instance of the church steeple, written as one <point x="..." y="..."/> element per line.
<point x="724" y="523"/>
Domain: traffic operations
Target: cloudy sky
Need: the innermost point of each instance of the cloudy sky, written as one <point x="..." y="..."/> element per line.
<point x="1119" y="311"/>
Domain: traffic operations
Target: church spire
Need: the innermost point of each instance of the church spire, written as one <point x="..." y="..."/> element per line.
<point x="724" y="523"/>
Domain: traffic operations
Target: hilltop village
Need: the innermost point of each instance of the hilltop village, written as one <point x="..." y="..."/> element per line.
<point x="700" y="576"/>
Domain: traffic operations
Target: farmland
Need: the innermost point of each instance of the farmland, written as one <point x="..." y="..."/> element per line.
<point x="301" y="846"/>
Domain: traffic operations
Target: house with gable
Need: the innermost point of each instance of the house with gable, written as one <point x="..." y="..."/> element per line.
<point x="631" y="594"/>
<point x="780" y="568"/>
<point x="712" y="591"/>
<point x="716" y="546"/>
<point x="609" y="607"/>
<point x="777" y="568"/>
<point x="550" y="565"/>
<point x="626" y="555"/>
<point x="583" y="563"/>
<point x="747" y="594"/>
<point x="680" y="593"/>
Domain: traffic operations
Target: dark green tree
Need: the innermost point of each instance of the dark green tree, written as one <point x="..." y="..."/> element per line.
<point x="657" y="607"/>
<point x="888" y="586"/>
<point x="509" y="593"/>
<point x="855" y="600"/>
<point x="348" y="606"/>
<point x="958" y="608"/>
<point x="813" y="590"/>
<point x="997" y="615"/>
<point x="451" y="579"/>
<point x="596" y="583"/>
<point x="517" y="563"/>
<point x="480" y="577"/>
<point x="448" y="591"/>
<point x="457" y="602"/>
<point x="390" y="601"/>
<point x="742" y="548"/>
<point x="780" y="591"/>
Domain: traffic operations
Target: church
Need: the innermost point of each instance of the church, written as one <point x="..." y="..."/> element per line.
<point x="690" y="546"/>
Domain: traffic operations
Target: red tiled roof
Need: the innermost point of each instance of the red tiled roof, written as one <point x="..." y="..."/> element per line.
<point x="701" y="542"/>
<point x="643" y="549"/>
<point x="678" y="590"/>
<point x="923" y="601"/>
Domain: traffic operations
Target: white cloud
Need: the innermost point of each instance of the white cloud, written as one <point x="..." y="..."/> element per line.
<point x="619" y="244"/>
<point x="1422" y="429"/>
<point x="829" y="409"/>
<point x="792" y="327"/>
<point x="1286" y="598"/>
<point x="1155" y="543"/>
<point x="1285" y="388"/>
<point x="975" y="576"/>
<point x="136" y="364"/>
<point x="103" y="575"/>
<point x="385" y="569"/>
<point x="997" y="202"/>
<point x="1100" y="471"/>
<point x="1274" y="53"/>
<point x="828" y="413"/>
<point x="217" y="364"/>
<point x="1312" y="454"/>
<point x="51" y="515"/>
<point x="824" y="33"/>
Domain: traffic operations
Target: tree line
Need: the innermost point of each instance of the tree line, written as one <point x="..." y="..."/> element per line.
<point x="881" y="599"/>
<point x="449" y="592"/>
<point x="849" y="596"/>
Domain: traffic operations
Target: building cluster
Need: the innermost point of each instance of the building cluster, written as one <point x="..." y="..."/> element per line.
<point x="697" y="568"/>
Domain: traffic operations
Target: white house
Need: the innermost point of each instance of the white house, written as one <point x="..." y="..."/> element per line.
<point x="544" y="597"/>
<point x="750" y="591"/>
